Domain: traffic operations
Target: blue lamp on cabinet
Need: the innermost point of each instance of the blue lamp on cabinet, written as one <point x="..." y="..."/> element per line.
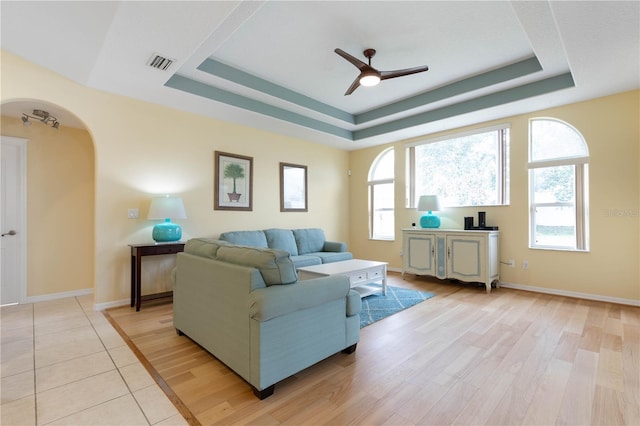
<point x="166" y="208"/>
<point x="429" y="204"/>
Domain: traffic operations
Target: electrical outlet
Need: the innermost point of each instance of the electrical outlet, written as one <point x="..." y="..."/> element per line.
<point x="512" y="263"/>
<point x="133" y="213"/>
<point x="525" y="264"/>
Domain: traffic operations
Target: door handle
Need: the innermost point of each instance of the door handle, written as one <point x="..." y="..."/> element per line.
<point x="12" y="232"/>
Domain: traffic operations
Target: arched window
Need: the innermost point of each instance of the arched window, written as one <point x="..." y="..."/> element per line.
<point x="558" y="186"/>
<point x="381" y="197"/>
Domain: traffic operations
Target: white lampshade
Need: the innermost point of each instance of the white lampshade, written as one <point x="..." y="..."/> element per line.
<point x="429" y="203"/>
<point x="166" y="208"/>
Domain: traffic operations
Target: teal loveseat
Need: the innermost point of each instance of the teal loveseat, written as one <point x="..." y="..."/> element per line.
<point x="246" y="307"/>
<point x="306" y="246"/>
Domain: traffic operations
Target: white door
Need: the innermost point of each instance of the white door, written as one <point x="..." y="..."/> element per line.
<point x="13" y="220"/>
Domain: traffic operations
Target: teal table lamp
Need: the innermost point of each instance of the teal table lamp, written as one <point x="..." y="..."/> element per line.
<point x="166" y="208"/>
<point x="429" y="204"/>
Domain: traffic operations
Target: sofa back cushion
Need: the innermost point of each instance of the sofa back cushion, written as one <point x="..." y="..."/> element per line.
<point x="204" y="247"/>
<point x="275" y="266"/>
<point x="281" y="239"/>
<point x="245" y="238"/>
<point x="309" y="240"/>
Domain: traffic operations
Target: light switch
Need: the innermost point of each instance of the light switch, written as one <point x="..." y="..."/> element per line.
<point x="133" y="214"/>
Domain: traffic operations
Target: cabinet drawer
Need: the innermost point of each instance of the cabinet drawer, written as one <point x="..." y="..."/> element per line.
<point x="358" y="278"/>
<point x="374" y="275"/>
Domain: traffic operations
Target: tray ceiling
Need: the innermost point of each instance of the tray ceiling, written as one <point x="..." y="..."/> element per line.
<point x="272" y="65"/>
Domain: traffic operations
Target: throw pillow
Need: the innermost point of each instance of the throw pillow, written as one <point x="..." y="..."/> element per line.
<point x="309" y="240"/>
<point x="204" y="247"/>
<point x="275" y="266"/>
<point x="281" y="239"/>
<point x="245" y="238"/>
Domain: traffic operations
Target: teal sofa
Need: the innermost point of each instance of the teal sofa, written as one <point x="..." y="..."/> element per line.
<point x="306" y="246"/>
<point x="246" y="307"/>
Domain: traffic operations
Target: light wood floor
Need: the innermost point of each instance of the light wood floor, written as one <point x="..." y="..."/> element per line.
<point x="462" y="357"/>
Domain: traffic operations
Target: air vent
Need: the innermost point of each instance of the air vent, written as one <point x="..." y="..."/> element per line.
<point x="160" y="62"/>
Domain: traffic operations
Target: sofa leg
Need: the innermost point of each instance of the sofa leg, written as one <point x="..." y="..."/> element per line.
<point x="264" y="393"/>
<point x="180" y="333"/>
<point x="351" y="349"/>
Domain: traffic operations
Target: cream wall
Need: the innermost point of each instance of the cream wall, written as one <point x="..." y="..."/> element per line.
<point x="611" y="128"/>
<point x="60" y="199"/>
<point x="143" y="149"/>
<point x="168" y="151"/>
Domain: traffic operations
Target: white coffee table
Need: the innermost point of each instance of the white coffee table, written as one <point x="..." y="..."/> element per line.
<point x="361" y="274"/>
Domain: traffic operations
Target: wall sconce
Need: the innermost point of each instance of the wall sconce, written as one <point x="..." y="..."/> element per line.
<point x="166" y="208"/>
<point x="42" y="116"/>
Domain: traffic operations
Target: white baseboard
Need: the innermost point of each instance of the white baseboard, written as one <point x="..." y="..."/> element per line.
<point x="114" y="304"/>
<point x="55" y="296"/>
<point x="75" y="293"/>
<point x="576" y="294"/>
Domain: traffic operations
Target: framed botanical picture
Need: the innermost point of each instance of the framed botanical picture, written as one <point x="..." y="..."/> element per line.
<point x="233" y="182"/>
<point x="293" y="188"/>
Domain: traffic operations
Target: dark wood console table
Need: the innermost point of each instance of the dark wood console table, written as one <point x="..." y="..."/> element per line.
<point x="147" y="249"/>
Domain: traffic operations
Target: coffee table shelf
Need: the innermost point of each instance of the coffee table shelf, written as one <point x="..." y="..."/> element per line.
<point x="361" y="274"/>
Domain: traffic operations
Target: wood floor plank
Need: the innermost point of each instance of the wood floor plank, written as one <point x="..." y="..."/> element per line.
<point x="545" y="405"/>
<point x="577" y="401"/>
<point x="463" y="357"/>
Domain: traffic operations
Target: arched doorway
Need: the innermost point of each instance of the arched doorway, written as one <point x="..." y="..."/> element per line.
<point x="59" y="214"/>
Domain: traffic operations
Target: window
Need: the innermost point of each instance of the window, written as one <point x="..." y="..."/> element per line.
<point x="381" y="197"/>
<point x="558" y="186"/>
<point x="469" y="169"/>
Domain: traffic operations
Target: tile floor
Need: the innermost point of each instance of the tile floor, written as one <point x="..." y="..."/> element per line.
<point x="63" y="364"/>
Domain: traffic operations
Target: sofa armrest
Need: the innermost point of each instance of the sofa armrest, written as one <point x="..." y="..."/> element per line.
<point x="334" y="246"/>
<point x="278" y="300"/>
<point x="354" y="303"/>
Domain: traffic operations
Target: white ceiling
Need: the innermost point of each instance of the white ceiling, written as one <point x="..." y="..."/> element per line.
<point x="487" y="60"/>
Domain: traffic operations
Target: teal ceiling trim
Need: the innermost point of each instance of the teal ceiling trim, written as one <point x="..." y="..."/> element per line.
<point x="201" y="89"/>
<point x="500" y="75"/>
<point x="218" y="69"/>
<point x="537" y="88"/>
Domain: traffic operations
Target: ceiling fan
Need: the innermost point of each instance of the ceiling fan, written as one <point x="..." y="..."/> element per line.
<point x="370" y="76"/>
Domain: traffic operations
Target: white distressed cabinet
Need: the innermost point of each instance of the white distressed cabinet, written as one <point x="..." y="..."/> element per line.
<point x="469" y="256"/>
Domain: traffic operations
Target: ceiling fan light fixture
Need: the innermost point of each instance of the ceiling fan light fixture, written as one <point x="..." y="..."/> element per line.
<point x="369" y="78"/>
<point x="25" y="120"/>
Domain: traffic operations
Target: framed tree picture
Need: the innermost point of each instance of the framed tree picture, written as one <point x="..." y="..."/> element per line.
<point x="233" y="182"/>
<point x="293" y="188"/>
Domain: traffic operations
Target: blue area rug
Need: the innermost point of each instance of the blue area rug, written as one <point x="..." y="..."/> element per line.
<point x="376" y="306"/>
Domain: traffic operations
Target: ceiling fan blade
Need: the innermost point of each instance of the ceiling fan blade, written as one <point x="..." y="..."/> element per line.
<point x="355" y="61"/>
<point x="384" y="75"/>
<point x="353" y="87"/>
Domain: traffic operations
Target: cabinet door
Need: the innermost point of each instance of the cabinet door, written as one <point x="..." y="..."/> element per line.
<point x="419" y="254"/>
<point x="466" y="258"/>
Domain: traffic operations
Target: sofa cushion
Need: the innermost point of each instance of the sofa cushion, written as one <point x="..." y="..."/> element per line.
<point x="275" y="266"/>
<point x="336" y="246"/>
<point x="204" y="247"/>
<point x="329" y="256"/>
<point x="309" y="240"/>
<point x="281" y="239"/>
<point x="306" y="260"/>
<point x="245" y="238"/>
